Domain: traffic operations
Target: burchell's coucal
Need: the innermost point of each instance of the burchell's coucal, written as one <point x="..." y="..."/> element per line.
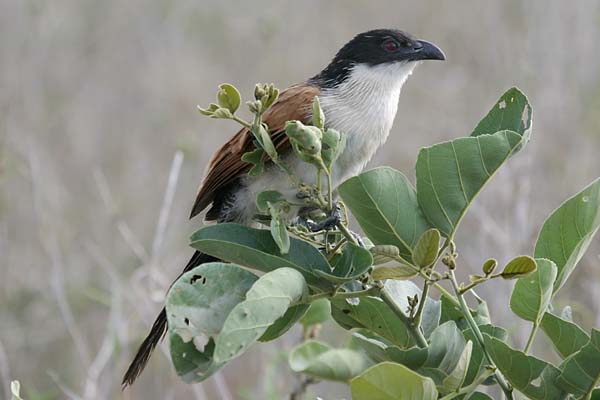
<point x="358" y="92"/>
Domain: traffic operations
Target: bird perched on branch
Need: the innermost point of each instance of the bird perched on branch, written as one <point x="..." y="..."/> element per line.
<point x="358" y="92"/>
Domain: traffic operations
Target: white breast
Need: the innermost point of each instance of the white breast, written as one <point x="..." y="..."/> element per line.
<point x="364" y="107"/>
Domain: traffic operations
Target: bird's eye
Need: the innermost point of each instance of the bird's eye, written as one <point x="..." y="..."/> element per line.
<point x="390" y="45"/>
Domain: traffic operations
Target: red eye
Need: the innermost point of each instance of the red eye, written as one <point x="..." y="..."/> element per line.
<point x="390" y="45"/>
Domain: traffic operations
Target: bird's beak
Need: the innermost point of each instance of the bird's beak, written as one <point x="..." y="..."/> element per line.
<point x="427" y="51"/>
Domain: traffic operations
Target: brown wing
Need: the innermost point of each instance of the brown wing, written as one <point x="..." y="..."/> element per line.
<point x="226" y="164"/>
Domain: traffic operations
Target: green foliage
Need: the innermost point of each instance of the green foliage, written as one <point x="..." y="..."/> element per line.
<point x="567" y="233"/>
<point x="389" y="381"/>
<point x="388" y="217"/>
<point x="321" y="361"/>
<point x="531" y="295"/>
<point x="580" y="372"/>
<point x="406" y="344"/>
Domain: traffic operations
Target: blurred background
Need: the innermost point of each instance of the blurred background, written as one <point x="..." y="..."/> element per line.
<point x="102" y="151"/>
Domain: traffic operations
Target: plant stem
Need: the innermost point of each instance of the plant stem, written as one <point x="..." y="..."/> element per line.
<point x="372" y="291"/>
<point x="531" y="337"/>
<point x="419" y="313"/>
<point x="466" y="390"/>
<point x="414" y="330"/>
<point x="473" y="325"/>
<point x="329" y="190"/>
<point x="241" y="122"/>
<point x="439" y="287"/>
<point x="347" y="234"/>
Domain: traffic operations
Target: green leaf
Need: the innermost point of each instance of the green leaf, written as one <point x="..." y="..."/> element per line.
<point x="255" y="248"/>
<point x="284" y="323"/>
<point x="318" y="116"/>
<point x="385" y="206"/>
<point x="228" y="97"/>
<point x="531" y="376"/>
<point x="352" y="263"/>
<point x="451" y="174"/>
<point x="379" y="350"/>
<point x="399" y="272"/>
<point x="389" y="381"/>
<point x="268" y="299"/>
<point x="566" y="336"/>
<point x="427" y="248"/>
<point x="567" y="233"/>
<point x="478" y="361"/>
<point x="255" y="157"/>
<point x="319" y="360"/>
<point x="512" y="112"/>
<point x="384" y="253"/>
<point x="581" y="371"/>
<point x="268" y="196"/>
<point x="279" y="230"/>
<point x="489" y="266"/>
<point x="334" y="143"/>
<point x="532" y="294"/>
<point x="518" y="267"/>
<point x="373" y="314"/>
<point x="200" y="300"/>
<point x="197" y="305"/>
<point x="401" y="290"/>
<point x="318" y="312"/>
<point x="448" y="357"/>
<point x="193" y="363"/>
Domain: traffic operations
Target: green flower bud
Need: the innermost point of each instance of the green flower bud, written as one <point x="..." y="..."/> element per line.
<point x="228" y="97"/>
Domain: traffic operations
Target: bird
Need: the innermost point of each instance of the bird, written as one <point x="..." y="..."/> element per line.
<point x="358" y="91"/>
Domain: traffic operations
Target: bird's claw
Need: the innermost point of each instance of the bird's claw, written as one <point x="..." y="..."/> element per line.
<point x="331" y="221"/>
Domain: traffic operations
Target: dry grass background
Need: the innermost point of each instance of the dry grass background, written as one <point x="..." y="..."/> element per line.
<point x="97" y="116"/>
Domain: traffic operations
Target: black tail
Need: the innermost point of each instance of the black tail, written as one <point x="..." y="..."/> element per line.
<point x="158" y="330"/>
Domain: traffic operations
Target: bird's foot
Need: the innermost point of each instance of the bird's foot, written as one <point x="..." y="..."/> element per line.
<point x="330" y="222"/>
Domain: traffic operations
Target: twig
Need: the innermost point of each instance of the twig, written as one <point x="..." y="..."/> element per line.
<point x="478" y="335"/>
<point x="166" y="205"/>
<point x="413" y="330"/>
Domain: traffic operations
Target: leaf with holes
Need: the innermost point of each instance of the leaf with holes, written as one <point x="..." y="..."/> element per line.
<point x="385" y="206"/>
<point x="200" y="300"/>
<point x="321" y="361"/>
<point x="266" y="301"/>
<point x="389" y="381"/>
<point x="450" y="175"/>
<point x="197" y="305"/>
<point x="255" y="248"/>
<point x="580" y="372"/>
<point x="531" y="376"/>
<point x="519" y="266"/>
<point x="567" y="233"/>
<point x="566" y="336"/>
<point x="532" y="294"/>
<point x="512" y="112"/>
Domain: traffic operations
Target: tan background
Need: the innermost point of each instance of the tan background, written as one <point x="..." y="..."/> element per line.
<point x="96" y="98"/>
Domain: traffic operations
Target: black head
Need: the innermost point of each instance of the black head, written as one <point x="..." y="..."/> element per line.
<point x="379" y="46"/>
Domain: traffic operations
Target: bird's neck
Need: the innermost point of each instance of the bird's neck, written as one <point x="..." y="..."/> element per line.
<point x="363" y="107"/>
